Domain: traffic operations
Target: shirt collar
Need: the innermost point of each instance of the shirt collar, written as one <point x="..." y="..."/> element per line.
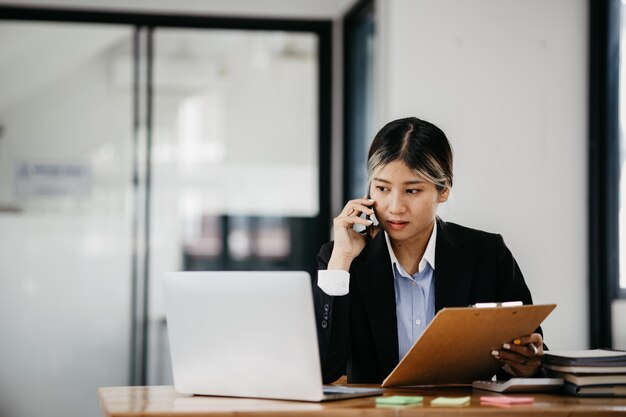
<point x="429" y="253"/>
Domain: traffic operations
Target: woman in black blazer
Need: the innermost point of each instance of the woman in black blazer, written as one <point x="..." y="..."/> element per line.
<point x="376" y="291"/>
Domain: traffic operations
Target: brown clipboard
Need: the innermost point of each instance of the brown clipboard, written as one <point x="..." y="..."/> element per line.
<point x="456" y="346"/>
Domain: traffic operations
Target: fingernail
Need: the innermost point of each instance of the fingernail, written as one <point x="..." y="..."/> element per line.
<point x="517" y="342"/>
<point x="506" y="346"/>
<point x="369" y="222"/>
<point x="495" y="353"/>
<point x="371" y="199"/>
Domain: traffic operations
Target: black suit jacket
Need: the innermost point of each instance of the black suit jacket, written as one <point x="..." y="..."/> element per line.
<point x="357" y="332"/>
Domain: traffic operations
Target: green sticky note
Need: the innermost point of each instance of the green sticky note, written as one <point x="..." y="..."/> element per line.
<point x="399" y="400"/>
<point x="450" y="401"/>
<point x="396" y="406"/>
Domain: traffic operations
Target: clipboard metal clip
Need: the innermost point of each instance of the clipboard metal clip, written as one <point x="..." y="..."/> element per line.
<point x="503" y="304"/>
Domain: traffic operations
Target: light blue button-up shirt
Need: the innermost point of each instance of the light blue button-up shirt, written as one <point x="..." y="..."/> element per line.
<point x="415" y="295"/>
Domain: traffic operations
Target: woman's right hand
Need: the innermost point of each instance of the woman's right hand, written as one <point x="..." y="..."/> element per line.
<point x="348" y="242"/>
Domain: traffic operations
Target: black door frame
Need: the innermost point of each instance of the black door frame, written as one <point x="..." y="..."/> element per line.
<point x="604" y="32"/>
<point x="351" y="21"/>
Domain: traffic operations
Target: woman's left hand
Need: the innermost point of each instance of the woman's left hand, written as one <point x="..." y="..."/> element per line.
<point x="519" y="357"/>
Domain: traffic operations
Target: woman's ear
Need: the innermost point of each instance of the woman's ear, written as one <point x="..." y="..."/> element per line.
<point x="443" y="195"/>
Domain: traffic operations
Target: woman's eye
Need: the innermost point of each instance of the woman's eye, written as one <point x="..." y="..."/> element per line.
<point x="381" y="188"/>
<point x="413" y="191"/>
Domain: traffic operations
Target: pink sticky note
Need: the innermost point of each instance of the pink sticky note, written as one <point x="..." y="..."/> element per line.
<point x="507" y="400"/>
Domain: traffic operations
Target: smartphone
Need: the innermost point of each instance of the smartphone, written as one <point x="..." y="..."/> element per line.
<point x="368" y="234"/>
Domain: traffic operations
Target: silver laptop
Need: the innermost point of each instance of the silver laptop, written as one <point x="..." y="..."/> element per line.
<point x="246" y="334"/>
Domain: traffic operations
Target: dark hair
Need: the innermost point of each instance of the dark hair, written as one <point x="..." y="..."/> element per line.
<point x="421" y="145"/>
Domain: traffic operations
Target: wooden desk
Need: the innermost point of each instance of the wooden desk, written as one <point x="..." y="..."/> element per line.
<point x="163" y="401"/>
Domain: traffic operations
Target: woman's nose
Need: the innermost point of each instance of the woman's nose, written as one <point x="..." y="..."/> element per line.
<point x="396" y="204"/>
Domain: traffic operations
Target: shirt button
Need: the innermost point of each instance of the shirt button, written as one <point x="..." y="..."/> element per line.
<point x="326" y="307"/>
<point x="326" y="316"/>
<point x="324" y="324"/>
<point x="418" y="322"/>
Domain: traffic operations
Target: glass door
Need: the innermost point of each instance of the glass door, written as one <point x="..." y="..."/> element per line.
<point x="65" y="215"/>
<point x="235" y="162"/>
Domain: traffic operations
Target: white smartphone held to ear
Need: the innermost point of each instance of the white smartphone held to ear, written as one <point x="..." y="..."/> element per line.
<point x="372" y="218"/>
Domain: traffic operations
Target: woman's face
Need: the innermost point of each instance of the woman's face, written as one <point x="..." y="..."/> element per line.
<point x="405" y="203"/>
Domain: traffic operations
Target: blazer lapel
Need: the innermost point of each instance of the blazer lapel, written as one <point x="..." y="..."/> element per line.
<point x="378" y="291"/>
<point x="453" y="269"/>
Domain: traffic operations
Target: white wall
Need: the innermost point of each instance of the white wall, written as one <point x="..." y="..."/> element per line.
<point x="618" y="309"/>
<point x="507" y="81"/>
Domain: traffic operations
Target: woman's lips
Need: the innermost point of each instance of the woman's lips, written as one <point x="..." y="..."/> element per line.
<point x="397" y="224"/>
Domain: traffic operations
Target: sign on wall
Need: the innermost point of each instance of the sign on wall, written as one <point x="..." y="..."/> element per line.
<point x="52" y="179"/>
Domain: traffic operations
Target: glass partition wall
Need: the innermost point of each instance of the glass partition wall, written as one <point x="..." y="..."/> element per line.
<point x="129" y="151"/>
<point x="65" y="216"/>
<point x="235" y="156"/>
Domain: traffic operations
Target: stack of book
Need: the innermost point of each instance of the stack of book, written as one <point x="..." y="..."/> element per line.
<point x="593" y="373"/>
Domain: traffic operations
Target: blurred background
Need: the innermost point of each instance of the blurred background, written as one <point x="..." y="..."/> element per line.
<point x="138" y="137"/>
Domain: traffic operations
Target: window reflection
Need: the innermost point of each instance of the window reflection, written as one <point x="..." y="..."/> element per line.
<point x="209" y="243"/>
<point x="272" y="240"/>
<point x="239" y="242"/>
